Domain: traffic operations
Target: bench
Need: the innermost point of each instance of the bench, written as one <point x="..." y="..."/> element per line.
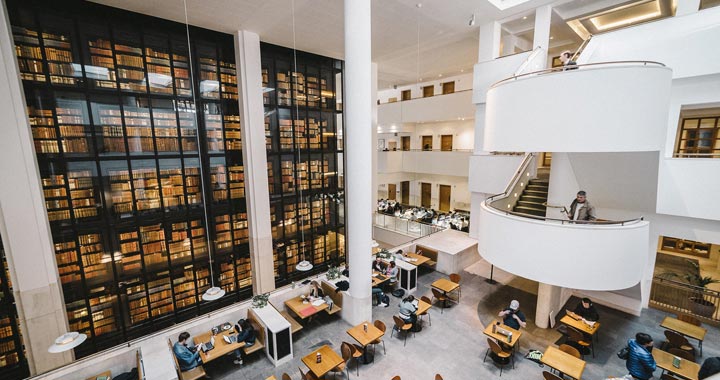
<point x="259" y="334"/>
<point x="337" y="297"/>
<point x="192" y="374"/>
<point x="429" y="253"/>
<point x="295" y="326"/>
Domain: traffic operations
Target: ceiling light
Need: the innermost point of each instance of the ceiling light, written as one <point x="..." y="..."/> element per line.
<point x="472" y="20"/>
<point x="634" y="14"/>
<point x="462" y="70"/>
<point x="524" y="17"/>
<point x="439" y="75"/>
<point x="420" y="78"/>
<point x="552" y="38"/>
<point x="419" y="5"/>
<point x="66" y="342"/>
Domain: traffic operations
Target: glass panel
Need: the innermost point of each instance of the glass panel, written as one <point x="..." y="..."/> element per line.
<point x="145" y="185"/>
<point x="157" y="60"/>
<point x="61" y="50"/>
<point x="74" y="125"/>
<point x="172" y="184"/>
<point x="213" y="126"/>
<point x="207" y="59"/>
<point x="136" y="115"/>
<point x="165" y="126"/>
<point x="129" y="58"/>
<point x="109" y="132"/>
<point x="218" y="179"/>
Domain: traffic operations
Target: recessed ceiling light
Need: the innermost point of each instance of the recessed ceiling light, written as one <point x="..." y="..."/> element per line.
<point x="552" y="38"/>
<point x="524" y="17"/>
<point x="419" y="5"/>
<point x="420" y="78"/>
<point x="439" y="75"/>
<point x="462" y="70"/>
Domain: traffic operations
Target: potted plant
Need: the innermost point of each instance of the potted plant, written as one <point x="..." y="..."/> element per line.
<point x="333" y="273"/>
<point x="384" y="254"/>
<point x="260" y="301"/>
<point x="698" y="304"/>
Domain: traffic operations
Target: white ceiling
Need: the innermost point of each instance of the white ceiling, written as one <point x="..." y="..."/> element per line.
<point x="447" y="43"/>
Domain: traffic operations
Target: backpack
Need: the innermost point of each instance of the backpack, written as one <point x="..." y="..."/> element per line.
<point x="385" y="299"/>
<point x="398" y="293"/>
<point x="342" y="285"/>
<point x="624" y="353"/>
<point x="536" y="356"/>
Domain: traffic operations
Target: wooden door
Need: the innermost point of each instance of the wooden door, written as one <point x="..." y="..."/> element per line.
<point x="425" y="192"/>
<point x="405" y="192"/>
<point x="428" y="91"/>
<point x="446" y="142"/>
<point x="405" y="140"/>
<point x="448" y="87"/>
<point x="406" y="95"/>
<point x="427" y="143"/>
<point x="445" y="198"/>
<point x="392" y="189"/>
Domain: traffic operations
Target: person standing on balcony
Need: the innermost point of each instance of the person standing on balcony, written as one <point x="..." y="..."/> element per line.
<point x="567" y="61"/>
<point x="581" y="209"/>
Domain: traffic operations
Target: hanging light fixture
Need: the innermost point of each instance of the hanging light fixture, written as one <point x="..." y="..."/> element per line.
<point x="214" y="292"/>
<point x="66" y="342"/>
<point x="303" y="265"/>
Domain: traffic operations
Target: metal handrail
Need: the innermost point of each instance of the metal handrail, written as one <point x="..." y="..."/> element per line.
<point x="563" y="68"/>
<point x="691" y="155"/>
<point x="523" y="166"/>
<point x="425" y="97"/>
<point x="581" y="47"/>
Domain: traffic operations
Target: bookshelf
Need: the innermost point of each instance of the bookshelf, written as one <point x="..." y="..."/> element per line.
<point x="302" y="120"/>
<point x="110" y="102"/>
<point x="13" y="364"/>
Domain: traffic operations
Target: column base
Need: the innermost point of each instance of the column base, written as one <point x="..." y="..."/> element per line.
<point x="356" y="310"/>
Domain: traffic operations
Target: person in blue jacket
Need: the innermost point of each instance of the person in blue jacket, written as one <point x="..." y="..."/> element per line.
<point x="187" y="357"/>
<point x="641" y="363"/>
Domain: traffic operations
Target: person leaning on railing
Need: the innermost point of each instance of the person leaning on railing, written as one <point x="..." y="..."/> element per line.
<point x="566" y="59"/>
<point x="581" y="209"/>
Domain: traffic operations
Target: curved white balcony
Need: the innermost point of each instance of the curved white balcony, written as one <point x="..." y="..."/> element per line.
<point x="606" y="107"/>
<point x="578" y="256"/>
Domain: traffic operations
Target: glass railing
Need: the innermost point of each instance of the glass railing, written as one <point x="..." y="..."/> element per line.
<point x="405" y="226"/>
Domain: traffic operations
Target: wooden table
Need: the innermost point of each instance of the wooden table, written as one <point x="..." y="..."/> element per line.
<point x="563" y="362"/>
<point x="502" y="338"/>
<point x="221" y="347"/>
<point x="579" y="325"/>
<point x="106" y="373"/>
<point x="417" y="260"/>
<point x="446" y="286"/>
<point x="422" y="307"/>
<point x="330" y="360"/>
<point x="688" y="369"/>
<point x="303" y="310"/>
<point x="687" y="329"/>
<point x="378" y="278"/>
<point x="364" y="338"/>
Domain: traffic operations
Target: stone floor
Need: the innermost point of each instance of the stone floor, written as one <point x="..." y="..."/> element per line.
<point x="454" y="345"/>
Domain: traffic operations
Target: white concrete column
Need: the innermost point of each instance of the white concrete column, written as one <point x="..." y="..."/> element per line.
<point x="373" y="127"/>
<point x="686" y="7"/>
<point x="358" y="147"/>
<point x="563" y="185"/>
<point x="24" y="224"/>
<point x="508" y="44"/>
<point x="489" y="44"/>
<point x="548" y="300"/>
<point x="252" y="119"/>
<point x="541" y="37"/>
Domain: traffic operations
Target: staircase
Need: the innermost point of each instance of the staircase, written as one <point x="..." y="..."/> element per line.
<point x="533" y="198"/>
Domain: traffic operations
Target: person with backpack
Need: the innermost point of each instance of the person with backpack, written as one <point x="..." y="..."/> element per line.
<point x="640" y="362"/>
<point x="408" y="311"/>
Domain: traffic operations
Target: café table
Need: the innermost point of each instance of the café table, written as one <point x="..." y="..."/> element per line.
<point x="365" y="338"/>
<point x="563" y="362"/>
<point x="378" y="279"/>
<point x="575" y="321"/>
<point x="446" y="286"/>
<point x="221" y="347"/>
<point x="302" y="309"/>
<point x="330" y="360"/>
<point x="687" y="368"/>
<point x="686" y="329"/>
<point x="502" y="338"/>
<point x="416" y="259"/>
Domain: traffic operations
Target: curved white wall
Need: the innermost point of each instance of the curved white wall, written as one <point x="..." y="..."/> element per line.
<point x="608" y="257"/>
<point x="605" y="109"/>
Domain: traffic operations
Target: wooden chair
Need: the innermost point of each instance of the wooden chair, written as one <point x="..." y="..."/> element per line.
<point x="401" y="326"/>
<point x="682" y="354"/>
<point x="440" y="297"/>
<point x="307" y="375"/>
<point x="346" y="353"/>
<point x="192" y="374"/>
<point x="667" y="376"/>
<point x="353" y="355"/>
<point x="426" y="299"/>
<point x="285" y="376"/>
<point x="689" y="319"/>
<point x="396" y="378"/>
<point x="380" y="326"/>
<point x="675" y="340"/>
<point x="438" y="377"/>
<point x="570" y="350"/>
<point x="454" y="277"/>
<point x="576" y="336"/>
<point x="499" y="356"/>
<point x="551" y="376"/>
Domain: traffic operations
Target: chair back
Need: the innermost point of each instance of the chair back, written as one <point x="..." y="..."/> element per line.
<point x="454" y="277"/>
<point x="399" y="323"/>
<point x="346" y="351"/>
<point x="285" y="376"/>
<point x="570" y="350"/>
<point x="494" y="347"/>
<point x="437" y="294"/>
<point x="302" y="374"/>
<point x="438" y="377"/>
<point x="396" y="378"/>
<point x="689" y="319"/>
<point x="682" y="354"/>
<point x="380" y="325"/>
<point x="551" y="376"/>
<point x="675" y="340"/>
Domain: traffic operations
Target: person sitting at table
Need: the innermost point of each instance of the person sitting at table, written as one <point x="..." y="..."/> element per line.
<point x="316" y="290"/>
<point x="188" y="357"/>
<point x="378" y="265"/>
<point x="391" y="272"/>
<point x="512" y="316"/>
<point x="586" y="310"/>
<point x="382" y="300"/>
<point x="246" y="333"/>
<point x="640" y="362"/>
<point x="408" y="311"/>
<point x="710" y="369"/>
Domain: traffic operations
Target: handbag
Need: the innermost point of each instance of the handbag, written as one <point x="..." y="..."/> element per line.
<point x="624" y="353"/>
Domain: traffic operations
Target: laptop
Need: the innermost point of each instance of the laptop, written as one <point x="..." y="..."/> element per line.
<point x="230" y="339"/>
<point x="209" y="345"/>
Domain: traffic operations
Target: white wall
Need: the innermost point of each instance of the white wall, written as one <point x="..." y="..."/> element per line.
<point x="462" y="83"/>
<point x="436" y="108"/>
<point x="491" y="174"/>
<point x="489" y="72"/>
<point x="459" y="195"/>
<point x="463" y="132"/>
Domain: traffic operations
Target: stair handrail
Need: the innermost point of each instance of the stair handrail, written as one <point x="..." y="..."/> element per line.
<point x="518" y="174"/>
<point x="563" y="69"/>
<point x="581" y="47"/>
<point x="527" y="60"/>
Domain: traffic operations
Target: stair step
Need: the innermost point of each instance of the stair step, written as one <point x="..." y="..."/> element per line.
<point x="535" y="205"/>
<point x="533" y="186"/>
<point x="530" y="211"/>
<point x="539" y="181"/>
<point x="533" y="198"/>
<point x="538" y="193"/>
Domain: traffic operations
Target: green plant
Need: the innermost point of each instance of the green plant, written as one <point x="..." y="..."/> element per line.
<point x="384" y="254"/>
<point x="260" y="301"/>
<point x="692" y="276"/>
<point x="333" y="273"/>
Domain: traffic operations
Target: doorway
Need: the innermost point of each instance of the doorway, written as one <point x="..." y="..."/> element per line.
<point x="392" y="189"/>
<point x="446" y="143"/>
<point x="405" y="192"/>
<point x="444" y="198"/>
<point x="425" y="192"/>
<point x="427" y="143"/>
<point x="428" y="91"/>
<point x="448" y="87"/>
<point x="405" y="142"/>
<point x="406" y="95"/>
